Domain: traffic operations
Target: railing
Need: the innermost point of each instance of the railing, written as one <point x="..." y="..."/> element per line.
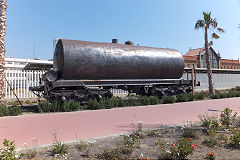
<point x="20" y="81"/>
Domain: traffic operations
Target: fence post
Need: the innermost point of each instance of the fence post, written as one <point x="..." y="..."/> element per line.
<point x="193" y="82"/>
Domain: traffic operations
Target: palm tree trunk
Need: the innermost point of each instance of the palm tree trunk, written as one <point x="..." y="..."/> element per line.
<point x="209" y="71"/>
<point x="3" y="8"/>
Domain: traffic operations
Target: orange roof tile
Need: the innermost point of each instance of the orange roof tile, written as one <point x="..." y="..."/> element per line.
<point x="194" y="52"/>
<point x="230" y="61"/>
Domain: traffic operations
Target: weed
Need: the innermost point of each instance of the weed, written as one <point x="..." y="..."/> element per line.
<point x="58" y="147"/>
<point x="109" y="154"/>
<point x="211" y="140"/>
<point x="27" y="102"/>
<point x="235" y="138"/>
<point x="154" y="133"/>
<point x="81" y="146"/>
<point x="222" y="139"/>
<point x="210" y="123"/>
<point x="8" y="151"/>
<point x="189" y="132"/>
<point x="34" y="101"/>
<point x="227" y="119"/>
<point x="165" y="152"/>
<point x="138" y="133"/>
<point x="31" y="152"/>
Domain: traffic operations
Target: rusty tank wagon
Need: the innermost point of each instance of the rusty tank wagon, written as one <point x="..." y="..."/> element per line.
<point x="83" y="70"/>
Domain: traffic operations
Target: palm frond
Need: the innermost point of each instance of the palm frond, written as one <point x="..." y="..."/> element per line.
<point x="213" y="23"/>
<point x="220" y="30"/>
<point x="214" y="35"/>
<point x="200" y="24"/>
<point x="207" y="16"/>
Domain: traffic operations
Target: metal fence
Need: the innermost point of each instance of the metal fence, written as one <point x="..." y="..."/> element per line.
<point x="19" y="81"/>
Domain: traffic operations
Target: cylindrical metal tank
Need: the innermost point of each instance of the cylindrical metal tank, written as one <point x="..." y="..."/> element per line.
<point x="78" y="60"/>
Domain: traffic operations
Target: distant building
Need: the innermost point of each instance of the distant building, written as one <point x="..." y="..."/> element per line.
<point x="197" y="58"/>
<point x="20" y="64"/>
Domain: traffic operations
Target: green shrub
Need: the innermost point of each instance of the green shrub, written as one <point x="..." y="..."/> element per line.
<point x="57" y="106"/>
<point x="14" y="111"/>
<point x="132" y="101"/>
<point x="3" y="110"/>
<point x="199" y="96"/>
<point x="215" y="96"/>
<point x="43" y="107"/>
<point x="9" y="111"/>
<point x="232" y="94"/>
<point x="223" y="95"/>
<point x="121" y="103"/>
<point x="182" y="97"/>
<point x="93" y="104"/>
<point x="191" y="97"/>
<point x="168" y="99"/>
<point x="237" y="94"/>
<point x="153" y="100"/>
<point x="144" y="100"/>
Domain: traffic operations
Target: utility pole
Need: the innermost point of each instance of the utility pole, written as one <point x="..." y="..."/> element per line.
<point x="3" y="9"/>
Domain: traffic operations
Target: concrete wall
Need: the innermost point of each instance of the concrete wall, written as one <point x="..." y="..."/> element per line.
<point x="220" y="80"/>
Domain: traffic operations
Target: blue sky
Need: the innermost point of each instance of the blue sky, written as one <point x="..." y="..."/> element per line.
<point x="157" y="23"/>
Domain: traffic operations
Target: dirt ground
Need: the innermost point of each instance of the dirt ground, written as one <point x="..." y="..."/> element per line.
<point x="144" y="148"/>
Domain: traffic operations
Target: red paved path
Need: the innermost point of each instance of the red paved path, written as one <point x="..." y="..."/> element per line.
<point x="88" y="124"/>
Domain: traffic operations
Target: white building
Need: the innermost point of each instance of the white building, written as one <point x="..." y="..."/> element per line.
<point x="22" y="73"/>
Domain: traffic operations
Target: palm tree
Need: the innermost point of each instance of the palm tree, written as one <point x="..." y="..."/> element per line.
<point x="3" y="8"/>
<point x="208" y="23"/>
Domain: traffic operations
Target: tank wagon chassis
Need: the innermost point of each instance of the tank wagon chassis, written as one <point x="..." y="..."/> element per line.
<point x="83" y="70"/>
<point x="82" y="90"/>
